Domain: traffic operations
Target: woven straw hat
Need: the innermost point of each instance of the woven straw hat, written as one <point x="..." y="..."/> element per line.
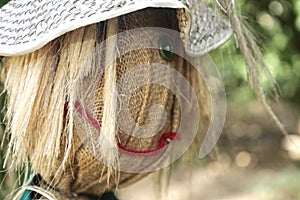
<point x="26" y="26"/>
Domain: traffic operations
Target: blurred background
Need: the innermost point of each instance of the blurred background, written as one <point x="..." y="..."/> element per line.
<point x="255" y="160"/>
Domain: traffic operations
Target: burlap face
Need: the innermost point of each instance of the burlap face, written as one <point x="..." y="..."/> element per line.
<point x="86" y="174"/>
<point x="83" y="174"/>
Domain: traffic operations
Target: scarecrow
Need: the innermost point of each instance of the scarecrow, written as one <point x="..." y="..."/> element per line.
<point x="102" y="93"/>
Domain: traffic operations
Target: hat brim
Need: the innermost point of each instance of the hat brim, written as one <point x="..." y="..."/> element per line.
<point x="26" y="26"/>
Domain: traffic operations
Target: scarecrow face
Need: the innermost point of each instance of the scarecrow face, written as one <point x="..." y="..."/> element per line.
<point x="89" y="105"/>
<point x="70" y="89"/>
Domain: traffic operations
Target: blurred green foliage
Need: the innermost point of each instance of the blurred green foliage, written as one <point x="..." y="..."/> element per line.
<point x="276" y="25"/>
<point x="2" y="2"/>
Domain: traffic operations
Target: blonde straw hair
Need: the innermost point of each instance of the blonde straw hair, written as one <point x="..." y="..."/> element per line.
<point x="39" y="85"/>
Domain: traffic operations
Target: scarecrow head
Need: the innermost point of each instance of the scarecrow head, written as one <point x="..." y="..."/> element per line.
<point x="100" y="93"/>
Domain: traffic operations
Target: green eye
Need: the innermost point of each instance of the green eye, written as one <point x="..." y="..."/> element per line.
<point x="166" y="48"/>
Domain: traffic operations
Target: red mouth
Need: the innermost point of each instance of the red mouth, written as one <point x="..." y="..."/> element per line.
<point x="165" y="139"/>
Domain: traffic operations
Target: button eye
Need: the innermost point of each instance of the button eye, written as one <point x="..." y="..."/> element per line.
<point x="166" y="48"/>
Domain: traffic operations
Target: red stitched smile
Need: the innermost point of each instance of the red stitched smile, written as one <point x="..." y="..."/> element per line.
<point x="165" y="139"/>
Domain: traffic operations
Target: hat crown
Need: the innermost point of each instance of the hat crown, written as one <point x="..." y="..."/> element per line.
<point x="26" y="26"/>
